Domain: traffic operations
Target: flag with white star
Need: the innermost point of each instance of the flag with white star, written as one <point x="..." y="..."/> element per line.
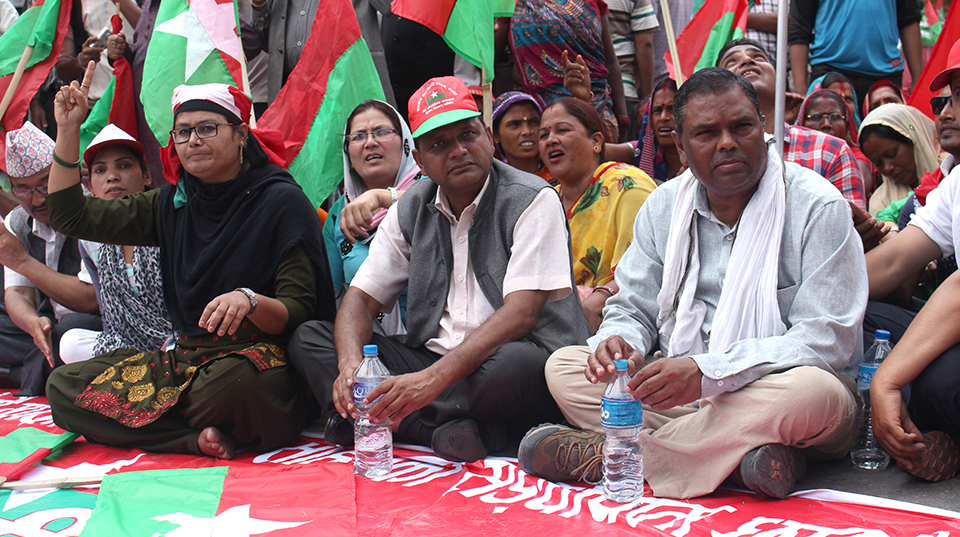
<point x="223" y="501"/>
<point x="193" y="42"/>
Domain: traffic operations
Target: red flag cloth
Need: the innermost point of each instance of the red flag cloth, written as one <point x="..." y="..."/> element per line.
<point x="931" y="12"/>
<point x="701" y="40"/>
<point x="425" y="496"/>
<point x="123" y="111"/>
<point x="433" y="15"/>
<point x="950" y="34"/>
<point x="296" y="106"/>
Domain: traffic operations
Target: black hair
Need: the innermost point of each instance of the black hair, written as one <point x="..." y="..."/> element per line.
<point x="833" y="78"/>
<point x="831" y="96"/>
<point x="660" y="85"/>
<point x="586" y="115"/>
<point x="744" y="41"/>
<point x="883" y="131"/>
<point x="367" y="105"/>
<point x="711" y="81"/>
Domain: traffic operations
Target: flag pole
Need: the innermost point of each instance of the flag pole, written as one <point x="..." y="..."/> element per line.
<point x="781" y="96"/>
<point x="60" y="483"/>
<point x="246" y="10"/>
<point x="487" y="97"/>
<point x="672" y="41"/>
<point x="246" y="84"/>
<point x="15" y="81"/>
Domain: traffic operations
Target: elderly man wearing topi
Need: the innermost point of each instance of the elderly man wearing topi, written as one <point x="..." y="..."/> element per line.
<point x="42" y="294"/>
<point x="483" y="250"/>
<point x="747" y="278"/>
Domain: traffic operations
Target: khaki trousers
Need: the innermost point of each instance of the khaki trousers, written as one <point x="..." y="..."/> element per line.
<point x="689" y="452"/>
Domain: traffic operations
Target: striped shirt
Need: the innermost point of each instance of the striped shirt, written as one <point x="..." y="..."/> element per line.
<point x="628" y="17"/>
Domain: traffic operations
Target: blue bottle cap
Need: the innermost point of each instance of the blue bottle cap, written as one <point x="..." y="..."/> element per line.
<point x="882" y="334"/>
<point x="369" y="349"/>
<point x="621" y="365"/>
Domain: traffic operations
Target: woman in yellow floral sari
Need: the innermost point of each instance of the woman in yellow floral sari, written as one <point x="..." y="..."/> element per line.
<point x="601" y="199"/>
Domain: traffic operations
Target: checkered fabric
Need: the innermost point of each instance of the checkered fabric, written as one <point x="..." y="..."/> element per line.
<point x="827" y="155"/>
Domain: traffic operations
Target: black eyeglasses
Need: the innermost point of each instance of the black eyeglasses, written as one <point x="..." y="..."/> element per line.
<point x="937" y="104"/>
<point x="358" y="138"/>
<point x="833" y="117"/>
<point x="203" y="130"/>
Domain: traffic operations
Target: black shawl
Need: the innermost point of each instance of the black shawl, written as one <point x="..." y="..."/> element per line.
<point x="234" y="234"/>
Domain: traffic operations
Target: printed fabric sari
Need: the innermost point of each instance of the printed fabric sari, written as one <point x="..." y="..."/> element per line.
<point x="541" y="30"/>
<point x="601" y="222"/>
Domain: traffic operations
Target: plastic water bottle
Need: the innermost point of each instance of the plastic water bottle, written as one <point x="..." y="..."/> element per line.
<point x="373" y="440"/>
<point x="866" y="452"/>
<point x="621" y="416"/>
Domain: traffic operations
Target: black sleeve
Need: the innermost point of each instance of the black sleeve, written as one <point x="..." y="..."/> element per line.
<point x="908" y="12"/>
<point x="803" y="15"/>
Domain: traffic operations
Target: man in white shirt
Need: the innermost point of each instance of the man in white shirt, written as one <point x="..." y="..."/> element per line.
<point x="922" y="434"/>
<point x="40" y="265"/>
<point x="484" y="253"/>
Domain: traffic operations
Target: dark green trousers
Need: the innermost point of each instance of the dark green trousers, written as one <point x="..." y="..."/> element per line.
<point x="263" y="410"/>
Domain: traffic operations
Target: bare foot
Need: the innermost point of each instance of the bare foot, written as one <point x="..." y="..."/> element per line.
<point x="216" y="444"/>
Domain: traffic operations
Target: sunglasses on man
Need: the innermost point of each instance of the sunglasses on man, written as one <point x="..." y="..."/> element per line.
<point x="937" y="104"/>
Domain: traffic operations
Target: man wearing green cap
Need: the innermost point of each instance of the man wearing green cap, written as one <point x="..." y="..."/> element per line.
<point x="484" y="253"/>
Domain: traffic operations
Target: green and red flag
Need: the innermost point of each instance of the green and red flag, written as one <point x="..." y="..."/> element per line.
<point x="699" y="44"/>
<point x="25" y="447"/>
<point x="466" y="25"/>
<point x="920" y="94"/>
<point x="335" y="74"/>
<point x="193" y="42"/>
<point x="117" y="105"/>
<point x="226" y="501"/>
<point x="42" y="27"/>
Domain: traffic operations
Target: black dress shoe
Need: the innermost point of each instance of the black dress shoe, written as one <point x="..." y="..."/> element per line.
<point x="339" y="430"/>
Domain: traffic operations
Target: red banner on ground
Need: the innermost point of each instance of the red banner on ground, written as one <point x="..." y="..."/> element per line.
<point x="425" y="496"/>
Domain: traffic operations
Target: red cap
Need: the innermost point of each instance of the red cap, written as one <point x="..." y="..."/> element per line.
<point x="953" y="64"/>
<point x="440" y="101"/>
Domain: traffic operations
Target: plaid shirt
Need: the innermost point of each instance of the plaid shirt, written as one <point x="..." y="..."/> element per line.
<point x="828" y="156"/>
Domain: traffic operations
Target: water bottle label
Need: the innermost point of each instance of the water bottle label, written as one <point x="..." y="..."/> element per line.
<point x="865" y="375"/>
<point x="361" y="390"/>
<point x="620" y="413"/>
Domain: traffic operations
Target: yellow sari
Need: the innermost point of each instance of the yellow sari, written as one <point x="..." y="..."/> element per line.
<point x="601" y="222"/>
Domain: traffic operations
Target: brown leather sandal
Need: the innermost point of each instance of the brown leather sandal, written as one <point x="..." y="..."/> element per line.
<point x="941" y="459"/>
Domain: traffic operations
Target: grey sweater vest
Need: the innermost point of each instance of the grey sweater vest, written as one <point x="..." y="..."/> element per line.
<point x="508" y="194"/>
<point x="69" y="263"/>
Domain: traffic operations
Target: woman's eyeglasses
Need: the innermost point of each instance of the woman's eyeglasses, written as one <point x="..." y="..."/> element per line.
<point x="937" y="104"/>
<point x="203" y="130"/>
<point x="359" y="138"/>
<point x="833" y="117"/>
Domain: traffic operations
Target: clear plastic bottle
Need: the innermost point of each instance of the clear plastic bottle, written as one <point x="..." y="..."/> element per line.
<point x="866" y="452"/>
<point x="373" y="441"/>
<point x="621" y="416"/>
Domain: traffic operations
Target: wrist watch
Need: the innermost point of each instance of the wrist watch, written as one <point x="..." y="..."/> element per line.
<point x="251" y="296"/>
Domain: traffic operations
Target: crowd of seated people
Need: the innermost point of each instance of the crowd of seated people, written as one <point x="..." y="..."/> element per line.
<point x="502" y="268"/>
